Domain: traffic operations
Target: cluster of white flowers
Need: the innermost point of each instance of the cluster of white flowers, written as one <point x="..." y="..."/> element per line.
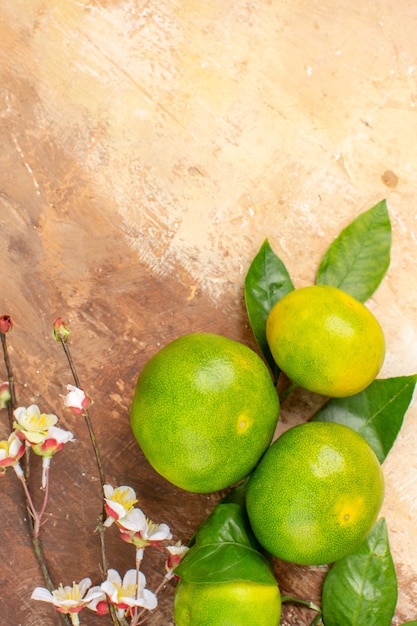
<point x="124" y="594"/>
<point x="35" y="431"/>
<point x="129" y="594"/>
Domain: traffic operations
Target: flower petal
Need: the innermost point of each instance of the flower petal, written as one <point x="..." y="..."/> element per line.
<point x="150" y="601"/>
<point x="134" y="520"/>
<point x="40" y="593"/>
<point x="110" y="591"/>
<point x="108" y="491"/>
<point x="113" y="576"/>
<point x="129" y="579"/>
<point x="83" y="585"/>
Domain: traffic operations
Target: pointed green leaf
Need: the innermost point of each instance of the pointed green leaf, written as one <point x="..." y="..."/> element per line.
<point x="225" y="549"/>
<point x="359" y="257"/>
<point x="377" y="413"/>
<point x="224" y="562"/>
<point x="361" y="589"/>
<point x="266" y="282"/>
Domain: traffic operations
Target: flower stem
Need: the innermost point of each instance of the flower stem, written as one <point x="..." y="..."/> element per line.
<point x="12" y="404"/>
<point x="100" y="526"/>
<point x="292" y="387"/>
<point x="45" y="485"/>
<point x="36" y="545"/>
<point x="75" y="620"/>
<point x="86" y="416"/>
<point x="306" y="603"/>
<point x="21" y="476"/>
<point x="34" y="527"/>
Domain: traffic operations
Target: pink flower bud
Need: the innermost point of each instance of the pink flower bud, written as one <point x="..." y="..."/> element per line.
<point x="176" y="554"/>
<point x="6" y="324"/>
<point x="76" y="400"/>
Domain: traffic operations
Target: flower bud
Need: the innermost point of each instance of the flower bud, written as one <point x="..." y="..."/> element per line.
<point x="61" y="331"/>
<point x="5" y="395"/>
<point x="6" y="324"/>
<point x="76" y="400"/>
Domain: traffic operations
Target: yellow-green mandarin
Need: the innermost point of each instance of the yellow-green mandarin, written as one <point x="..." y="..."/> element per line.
<point x="204" y="411"/>
<point x="325" y="340"/>
<point x="235" y="603"/>
<point x="316" y="493"/>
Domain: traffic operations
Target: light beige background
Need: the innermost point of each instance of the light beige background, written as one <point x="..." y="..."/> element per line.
<point x="193" y="130"/>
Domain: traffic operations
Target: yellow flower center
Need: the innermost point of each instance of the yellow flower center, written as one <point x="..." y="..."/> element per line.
<point x="122" y="592"/>
<point x="152" y="527"/>
<point x="123" y="497"/>
<point x="67" y="593"/>
<point x="38" y="422"/>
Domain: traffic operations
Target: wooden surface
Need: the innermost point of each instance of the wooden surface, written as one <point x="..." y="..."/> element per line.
<point x="147" y="151"/>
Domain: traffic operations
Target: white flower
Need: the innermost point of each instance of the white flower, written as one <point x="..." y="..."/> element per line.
<point x="130" y="592"/>
<point x="32" y="424"/>
<point x="11" y="450"/>
<point x="118" y="502"/>
<point x="176" y="553"/>
<point x="54" y="440"/>
<point x="99" y="603"/>
<point x="76" y="400"/>
<point x="68" y="599"/>
<point x="136" y="528"/>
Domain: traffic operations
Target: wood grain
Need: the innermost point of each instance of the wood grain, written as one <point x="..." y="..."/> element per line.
<point x="147" y="151"/>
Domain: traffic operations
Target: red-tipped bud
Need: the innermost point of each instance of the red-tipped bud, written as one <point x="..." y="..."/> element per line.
<point x="61" y="331"/>
<point x="6" y="324"/>
<point x="76" y="400"/>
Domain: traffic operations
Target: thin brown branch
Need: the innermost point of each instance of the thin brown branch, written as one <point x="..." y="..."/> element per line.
<point x="100" y="526"/>
<point x="36" y="544"/>
<point x="11" y="405"/>
<point x="86" y="416"/>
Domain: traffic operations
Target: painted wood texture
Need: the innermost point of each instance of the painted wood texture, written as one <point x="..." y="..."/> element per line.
<point x="147" y="151"/>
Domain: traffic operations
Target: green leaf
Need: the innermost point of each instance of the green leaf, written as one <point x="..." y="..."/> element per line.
<point x="361" y="589"/>
<point x="266" y="282"/>
<point x="376" y="413"/>
<point x="359" y="257"/>
<point x="225" y="549"/>
<point x="412" y="623"/>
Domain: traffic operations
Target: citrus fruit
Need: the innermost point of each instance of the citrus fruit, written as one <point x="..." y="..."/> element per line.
<point x="204" y="411"/>
<point x="325" y="340"/>
<point x="315" y="494"/>
<point x="234" y="603"/>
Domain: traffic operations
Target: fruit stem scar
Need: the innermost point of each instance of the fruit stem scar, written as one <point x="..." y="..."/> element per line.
<point x="243" y="423"/>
